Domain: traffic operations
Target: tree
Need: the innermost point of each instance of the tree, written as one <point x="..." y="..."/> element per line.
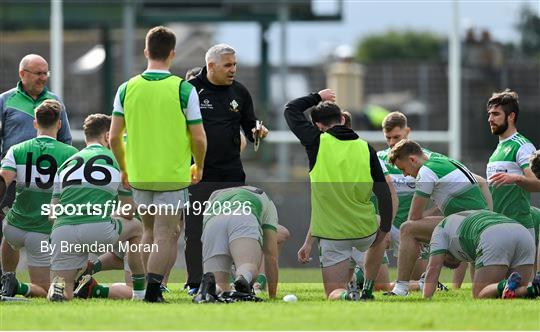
<point x="400" y="45"/>
<point x="529" y="28"/>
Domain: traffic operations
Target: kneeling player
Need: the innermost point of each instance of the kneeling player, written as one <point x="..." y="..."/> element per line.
<point x="32" y="164"/>
<point x="134" y="286"/>
<point x="451" y="186"/>
<point x="499" y="246"/>
<point x="89" y="181"/>
<point x="242" y="238"/>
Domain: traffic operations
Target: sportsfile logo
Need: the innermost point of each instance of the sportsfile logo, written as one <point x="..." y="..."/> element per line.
<point x="111" y="207"/>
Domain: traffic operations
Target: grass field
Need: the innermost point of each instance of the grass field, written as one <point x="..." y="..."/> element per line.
<point x="454" y="310"/>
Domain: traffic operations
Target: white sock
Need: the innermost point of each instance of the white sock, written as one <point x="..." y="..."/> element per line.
<point x="421" y="283"/>
<point x="401" y="288"/>
<point x="244" y="271"/>
<point x="138" y="295"/>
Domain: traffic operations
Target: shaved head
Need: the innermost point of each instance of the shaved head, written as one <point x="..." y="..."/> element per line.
<point x="30" y="59"/>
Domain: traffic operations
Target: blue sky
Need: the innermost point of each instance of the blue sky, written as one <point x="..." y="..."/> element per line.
<point x="308" y="42"/>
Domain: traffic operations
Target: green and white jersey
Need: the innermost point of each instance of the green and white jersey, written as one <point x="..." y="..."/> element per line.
<point x="451" y="186"/>
<point x="460" y="236"/>
<point x="245" y="200"/>
<point x="511" y="156"/>
<point x="87" y="186"/>
<point x="404" y="185"/>
<point x="35" y="161"/>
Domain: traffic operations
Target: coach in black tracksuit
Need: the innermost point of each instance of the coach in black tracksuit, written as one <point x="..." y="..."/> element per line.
<point x="226" y="106"/>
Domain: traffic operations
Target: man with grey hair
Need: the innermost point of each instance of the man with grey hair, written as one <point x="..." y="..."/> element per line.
<point x="17" y="113"/>
<point x="226" y="106"/>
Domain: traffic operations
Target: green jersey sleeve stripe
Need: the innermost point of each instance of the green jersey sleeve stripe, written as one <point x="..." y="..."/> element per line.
<point x="118" y="114"/>
<point x="194" y="122"/>
<point x="524" y="166"/>
<point x="185" y="91"/>
<point x="266" y="226"/>
<point x="7" y="168"/>
<point x="423" y="194"/>
<point x="123" y="93"/>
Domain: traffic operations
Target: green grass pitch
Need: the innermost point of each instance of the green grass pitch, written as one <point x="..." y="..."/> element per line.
<point x="453" y="310"/>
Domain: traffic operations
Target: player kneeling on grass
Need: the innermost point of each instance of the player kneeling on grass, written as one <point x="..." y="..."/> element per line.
<point x="499" y="246"/>
<point x="451" y="186"/>
<point x="134" y="286"/>
<point x="344" y="170"/>
<point x="89" y="181"/>
<point x="239" y="229"/>
<point x="32" y="164"/>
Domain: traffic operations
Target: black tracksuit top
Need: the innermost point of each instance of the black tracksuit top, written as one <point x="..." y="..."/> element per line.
<point x="309" y="135"/>
<point x="224" y="109"/>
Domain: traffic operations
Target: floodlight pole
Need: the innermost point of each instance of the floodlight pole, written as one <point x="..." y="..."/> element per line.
<point x="128" y="41"/>
<point x="283" y="149"/>
<point x="57" y="47"/>
<point x="454" y="86"/>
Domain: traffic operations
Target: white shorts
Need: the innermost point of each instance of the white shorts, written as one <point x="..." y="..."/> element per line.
<point x="162" y="200"/>
<point x="221" y="230"/>
<point x="36" y="254"/>
<point x="359" y="257"/>
<point x="332" y="252"/>
<point x="505" y="244"/>
<point x="66" y="256"/>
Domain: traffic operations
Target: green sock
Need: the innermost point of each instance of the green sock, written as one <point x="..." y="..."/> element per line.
<point x="344" y="296"/>
<point x="261" y="279"/>
<point x="100" y="291"/>
<point x="533" y="290"/>
<point x="368" y="286"/>
<point x="359" y="276"/>
<point x="97" y="266"/>
<point x="531" y="293"/>
<point x="138" y="281"/>
<point x="23" y="289"/>
<point x="500" y="287"/>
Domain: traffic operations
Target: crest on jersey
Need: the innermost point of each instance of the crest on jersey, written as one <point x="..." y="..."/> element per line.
<point x="233" y="106"/>
<point x="507" y="150"/>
